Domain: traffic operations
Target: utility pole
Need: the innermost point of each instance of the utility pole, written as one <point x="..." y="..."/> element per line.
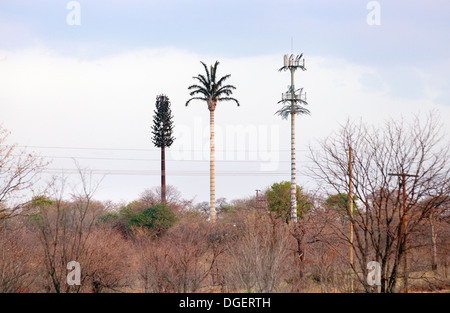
<point x="257" y="198"/>
<point x="350" y="209"/>
<point x="293" y="98"/>
<point x="404" y="224"/>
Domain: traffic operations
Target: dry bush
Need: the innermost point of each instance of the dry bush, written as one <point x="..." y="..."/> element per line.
<point x="68" y="231"/>
<point x="255" y="258"/>
<point x="107" y="265"/>
<point x="318" y="260"/>
<point x="103" y="253"/>
<point x="181" y="260"/>
<point x="174" y="199"/>
<point x="17" y="258"/>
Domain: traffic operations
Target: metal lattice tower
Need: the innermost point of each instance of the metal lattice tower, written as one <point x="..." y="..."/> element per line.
<point x="293" y="103"/>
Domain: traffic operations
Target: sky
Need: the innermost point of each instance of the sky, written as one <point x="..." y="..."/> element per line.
<point x="79" y="79"/>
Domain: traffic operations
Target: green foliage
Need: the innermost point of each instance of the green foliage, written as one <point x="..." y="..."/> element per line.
<point x="162" y="128"/>
<point x="130" y="209"/>
<point x="211" y="89"/>
<point x="40" y="201"/>
<point x="34" y="219"/>
<point x="158" y="217"/>
<point x="109" y="218"/>
<point x="279" y="200"/>
<point x="340" y="201"/>
<point x="227" y="209"/>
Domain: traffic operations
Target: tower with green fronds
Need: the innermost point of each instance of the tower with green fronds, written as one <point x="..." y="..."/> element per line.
<point x="211" y="90"/>
<point x="162" y="130"/>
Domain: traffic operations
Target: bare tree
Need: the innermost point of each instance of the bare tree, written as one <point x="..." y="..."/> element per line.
<point x="174" y="198"/>
<point x="18" y="173"/>
<point x="68" y="232"/>
<point x="256" y="258"/>
<point x="182" y="260"/>
<point x="380" y="227"/>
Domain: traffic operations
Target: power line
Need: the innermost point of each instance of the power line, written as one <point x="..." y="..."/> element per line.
<point x="157" y="160"/>
<point x="85" y="148"/>
<point x="146" y="150"/>
<point x="157" y="172"/>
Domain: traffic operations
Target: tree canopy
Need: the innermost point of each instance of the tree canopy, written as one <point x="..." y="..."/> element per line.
<point x="279" y="200"/>
<point x="340" y="201"/>
<point x="211" y="89"/>
<point x="162" y="128"/>
<point x="158" y="218"/>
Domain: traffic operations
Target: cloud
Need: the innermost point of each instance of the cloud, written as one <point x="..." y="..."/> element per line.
<point x="15" y="32"/>
<point x="49" y="99"/>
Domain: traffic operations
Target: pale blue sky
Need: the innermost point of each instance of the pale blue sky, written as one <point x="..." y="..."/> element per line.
<point x="410" y="31"/>
<point x="94" y="85"/>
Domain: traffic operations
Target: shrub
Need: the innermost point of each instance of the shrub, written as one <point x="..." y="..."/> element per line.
<point x="158" y="218"/>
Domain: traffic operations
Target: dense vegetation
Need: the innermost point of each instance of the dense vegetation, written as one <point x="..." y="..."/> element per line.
<point x="149" y="246"/>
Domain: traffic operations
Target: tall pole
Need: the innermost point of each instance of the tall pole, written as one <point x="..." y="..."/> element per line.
<point x="212" y="177"/>
<point x="163" y="174"/>
<point x="404" y="224"/>
<point x="433" y="243"/>
<point x="293" y="102"/>
<point x="293" y="159"/>
<point x="405" y="229"/>
<point x="257" y="198"/>
<point x="162" y="138"/>
<point x="350" y="209"/>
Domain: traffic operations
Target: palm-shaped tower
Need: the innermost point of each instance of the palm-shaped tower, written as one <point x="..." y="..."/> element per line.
<point x="293" y="101"/>
<point x="211" y="90"/>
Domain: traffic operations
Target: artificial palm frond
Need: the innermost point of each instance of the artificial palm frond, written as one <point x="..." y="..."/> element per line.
<point x="196" y="98"/>
<point x="211" y="89"/>
<point x="289" y="109"/>
<point x="230" y="99"/>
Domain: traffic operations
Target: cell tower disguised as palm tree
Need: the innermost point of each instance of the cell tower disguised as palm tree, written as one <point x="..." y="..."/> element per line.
<point x="293" y="101"/>
<point x="211" y="90"/>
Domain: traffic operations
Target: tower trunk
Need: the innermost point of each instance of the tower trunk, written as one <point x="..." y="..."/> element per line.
<point x="212" y="177"/>
<point x="163" y="175"/>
